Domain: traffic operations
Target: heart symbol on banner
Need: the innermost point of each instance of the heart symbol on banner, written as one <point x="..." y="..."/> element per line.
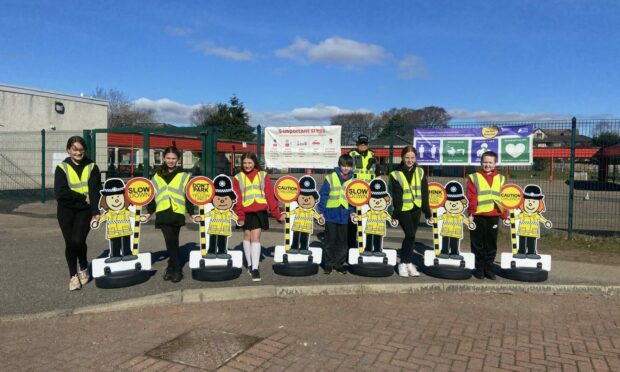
<point x="515" y="150"/>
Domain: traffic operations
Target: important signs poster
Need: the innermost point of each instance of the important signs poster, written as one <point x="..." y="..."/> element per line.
<point x="302" y="147"/>
<point x="465" y="146"/>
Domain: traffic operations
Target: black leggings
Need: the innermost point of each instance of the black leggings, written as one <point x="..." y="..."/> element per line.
<point x="300" y="240"/>
<point x="374" y="243"/>
<point x="75" y="226"/>
<point x="409" y="223"/>
<point x="217" y="244"/>
<point x="171" y="237"/>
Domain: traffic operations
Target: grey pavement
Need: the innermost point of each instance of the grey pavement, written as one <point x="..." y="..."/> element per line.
<point x="34" y="278"/>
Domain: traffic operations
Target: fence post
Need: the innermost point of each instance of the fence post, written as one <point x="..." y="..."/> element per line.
<point x="87" y="139"/>
<point x="259" y="141"/>
<point x="43" y="166"/>
<point x="204" y="134"/>
<point x="146" y="149"/>
<point x="571" y="176"/>
<point x="391" y="148"/>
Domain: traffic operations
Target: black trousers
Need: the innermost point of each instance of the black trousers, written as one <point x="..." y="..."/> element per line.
<point x="450" y="245"/>
<point x="300" y="240"/>
<point x="408" y="221"/>
<point x="484" y="242"/>
<point x="120" y="246"/>
<point x="527" y="242"/>
<point x="217" y="244"/>
<point x="75" y="226"/>
<point x="336" y="247"/>
<point x="374" y="243"/>
<point x="171" y="237"/>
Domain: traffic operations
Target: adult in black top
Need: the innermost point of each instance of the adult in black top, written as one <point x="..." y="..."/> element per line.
<point x="76" y="209"/>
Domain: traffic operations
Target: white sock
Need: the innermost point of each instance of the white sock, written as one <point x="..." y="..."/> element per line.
<point x="247" y="249"/>
<point x="255" y="255"/>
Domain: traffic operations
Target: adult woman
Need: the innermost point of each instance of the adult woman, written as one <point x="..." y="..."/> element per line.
<point x="170" y="205"/>
<point x="256" y="196"/>
<point x="77" y="182"/>
<point x="410" y="193"/>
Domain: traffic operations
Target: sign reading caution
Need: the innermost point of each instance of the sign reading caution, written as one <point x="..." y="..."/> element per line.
<point x="436" y="195"/>
<point x="200" y="190"/>
<point x="511" y="196"/>
<point x="287" y="189"/>
<point x="358" y="193"/>
<point x="139" y="191"/>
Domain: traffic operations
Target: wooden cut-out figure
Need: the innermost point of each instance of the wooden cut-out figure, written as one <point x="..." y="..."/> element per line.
<point x="376" y="217"/>
<point x="453" y="221"/>
<point x="529" y="219"/>
<point x="305" y="214"/>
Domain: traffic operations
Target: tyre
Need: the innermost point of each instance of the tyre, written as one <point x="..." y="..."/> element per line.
<point x="300" y="268"/>
<point x="373" y="269"/>
<point x="525" y="274"/>
<point x="120" y="279"/>
<point x="216" y="273"/>
<point x="447" y="272"/>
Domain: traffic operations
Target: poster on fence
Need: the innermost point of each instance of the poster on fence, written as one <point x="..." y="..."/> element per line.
<point x="302" y="147"/>
<point x="465" y="146"/>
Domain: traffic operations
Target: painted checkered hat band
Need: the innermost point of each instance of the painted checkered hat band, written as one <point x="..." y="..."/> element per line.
<point x="114" y="189"/>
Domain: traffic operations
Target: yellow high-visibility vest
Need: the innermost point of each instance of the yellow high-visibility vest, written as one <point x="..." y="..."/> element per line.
<point x="452" y="225"/>
<point x="220" y="221"/>
<point x="488" y="196"/>
<point x="337" y="197"/>
<point x="118" y="223"/>
<point x="412" y="193"/>
<point x="360" y="165"/>
<point x="304" y="219"/>
<point x="252" y="191"/>
<point x="171" y="194"/>
<point x="529" y="225"/>
<point x="77" y="183"/>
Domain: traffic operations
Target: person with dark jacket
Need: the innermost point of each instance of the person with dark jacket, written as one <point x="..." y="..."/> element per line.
<point x="170" y="205"/>
<point x="77" y="182"/>
<point x="410" y="194"/>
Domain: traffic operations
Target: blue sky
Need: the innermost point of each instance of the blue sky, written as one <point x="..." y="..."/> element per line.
<point x="300" y="62"/>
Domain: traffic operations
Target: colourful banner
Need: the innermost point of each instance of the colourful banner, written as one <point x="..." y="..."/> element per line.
<point x="465" y="146"/>
<point x="302" y="147"/>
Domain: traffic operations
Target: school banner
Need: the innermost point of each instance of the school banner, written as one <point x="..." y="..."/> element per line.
<point x="465" y="146"/>
<point x="302" y="147"/>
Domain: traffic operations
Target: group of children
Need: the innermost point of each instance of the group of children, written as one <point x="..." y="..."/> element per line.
<point x="78" y="193"/>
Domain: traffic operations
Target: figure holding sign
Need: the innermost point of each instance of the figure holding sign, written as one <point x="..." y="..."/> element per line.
<point x="305" y="214"/>
<point x="529" y="219"/>
<point x="376" y="218"/>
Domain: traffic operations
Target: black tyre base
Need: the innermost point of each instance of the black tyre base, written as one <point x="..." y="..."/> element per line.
<point x="525" y="274"/>
<point x="447" y="272"/>
<point x="374" y="269"/>
<point x="296" y="268"/>
<point x="216" y="273"/>
<point x="125" y="278"/>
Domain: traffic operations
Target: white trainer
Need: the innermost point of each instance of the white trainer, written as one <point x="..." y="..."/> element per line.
<point x="412" y="270"/>
<point x="83" y="276"/>
<point x="402" y="270"/>
<point x="74" y="283"/>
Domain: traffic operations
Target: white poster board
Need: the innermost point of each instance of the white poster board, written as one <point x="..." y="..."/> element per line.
<point x="302" y="147"/>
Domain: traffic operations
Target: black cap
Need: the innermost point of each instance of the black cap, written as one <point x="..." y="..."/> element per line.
<point x="378" y="188"/>
<point x="223" y="187"/>
<point x="362" y="138"/>
<point x="307" y="186"/>
<point x="454" y="191"/>
<point x="113" y="186"/>
<point x="532" y="192"/>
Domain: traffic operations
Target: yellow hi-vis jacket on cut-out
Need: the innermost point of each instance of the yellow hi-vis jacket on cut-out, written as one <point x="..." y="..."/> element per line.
<point x="529" y="224"/>
<point x="171" y="194"/>
<point x="252" y="191"/>
<point x="118" y="223"/>
<point x="452" y="224"/>
<point x="77" y="183"/>
<point x="412" y="194"/>
<point x="375" y="222"/>
<point x="360" y="165"/>
<point x="304" y="219"/>
<point x="488" y="196"/>
<point x="220" y="221"/>
<point x="337" y="195"/>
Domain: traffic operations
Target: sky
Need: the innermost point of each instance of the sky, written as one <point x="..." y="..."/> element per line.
<point x="301" y="62"/>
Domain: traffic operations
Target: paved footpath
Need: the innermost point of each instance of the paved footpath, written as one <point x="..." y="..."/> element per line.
<point x="426" y="332"/>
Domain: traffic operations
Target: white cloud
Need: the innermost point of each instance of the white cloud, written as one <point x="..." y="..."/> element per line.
<point x="318" y="114"/>
<point x="166" y="110"/>
<point x="334" y="50"/>
<point x="211" y="49"/>
<point x="178" y="31"/>
<point x="463" y="115"/>
<point x="411" y="67"/>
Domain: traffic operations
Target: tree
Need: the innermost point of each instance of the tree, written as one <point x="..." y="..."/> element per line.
<point x="606" y="138"/>
<point x="404" y="120"/>
<point x="201" y="114"/>
<point x="231" y="120"/>
<point x="121" y="112"/>
<point x="353" y="125"/>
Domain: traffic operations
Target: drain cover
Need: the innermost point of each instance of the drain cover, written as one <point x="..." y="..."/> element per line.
<point x="203" y="348"/>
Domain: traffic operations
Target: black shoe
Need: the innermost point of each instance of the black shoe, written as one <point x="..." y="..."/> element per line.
<point x="478" y="274"/>
<point x="113" y="259"/>
<point x="341" y="269"/>
<point x="129" y="257"/>
<point x="490" y="276"/>
<point x="456" y="257"/>
<point x="519" y="255"/>
<point x="327" y="270"/>
<point x="168" y="273"/>
<point x="533" y="256"/>
<point x="366" y="254"/>
<point x="255" y="275"/>
<point x="443" y="255"/>
<point x="177" y="276"/>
